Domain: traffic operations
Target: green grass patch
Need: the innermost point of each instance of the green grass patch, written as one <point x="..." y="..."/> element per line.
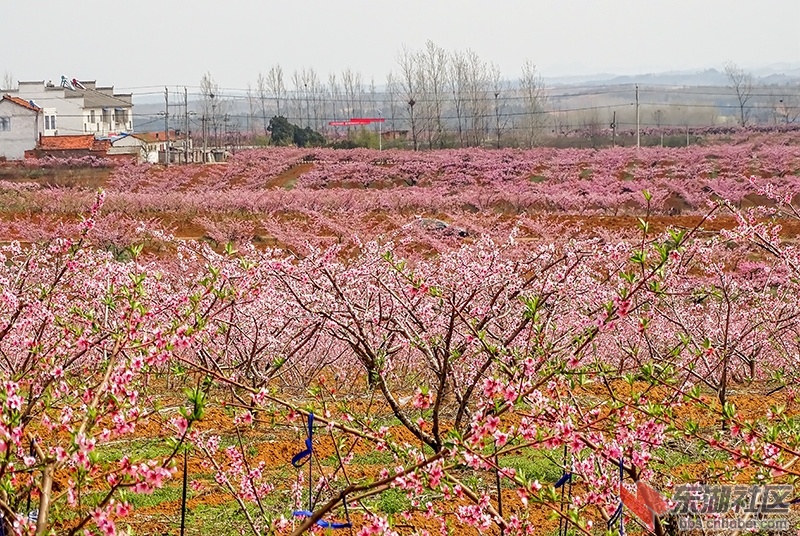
<point x="220" y="520"/>
<point x="373" y="457"/>
<point x="159" y="496"/>
<point x="686" y="453"/>
<point x="135" y="449"/>
<point x="535" y="464"/>
<point x="393" y="501"/>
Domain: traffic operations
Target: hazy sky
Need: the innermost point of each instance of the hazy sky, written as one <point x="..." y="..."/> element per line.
<point x="138" y="43"/>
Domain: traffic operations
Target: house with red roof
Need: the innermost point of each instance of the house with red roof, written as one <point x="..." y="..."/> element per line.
<point x="69" y="147"/>
<point x="21" y="125"/>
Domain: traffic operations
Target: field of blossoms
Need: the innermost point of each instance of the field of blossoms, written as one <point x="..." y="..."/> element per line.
<point x="364" y="342"/>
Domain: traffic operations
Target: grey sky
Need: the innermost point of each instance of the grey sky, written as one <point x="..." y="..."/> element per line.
<point x="138" y="43"/>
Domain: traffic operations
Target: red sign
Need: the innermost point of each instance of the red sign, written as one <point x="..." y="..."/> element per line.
<point x="357" y="121"/>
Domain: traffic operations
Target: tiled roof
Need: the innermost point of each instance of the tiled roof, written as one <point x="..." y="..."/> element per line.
<point x="154" y="137"/>
<point x="22" y="102"/>
<point x="67" y="143"/>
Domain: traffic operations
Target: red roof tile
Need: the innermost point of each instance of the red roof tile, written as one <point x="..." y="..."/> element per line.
<point x="22" y="102"/>
<point x="154" y="137"/>
<point x="63" y="143"/>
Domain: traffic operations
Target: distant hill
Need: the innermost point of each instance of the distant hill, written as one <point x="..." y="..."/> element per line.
<point x="780" y="73"/>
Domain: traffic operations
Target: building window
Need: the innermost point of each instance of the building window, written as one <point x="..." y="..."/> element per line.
<point x="5" y="123"/>
<point x="92" y="117"/>
<point x="121" y="116"/>
<point x="47" y="122"/>
<point x="53" y="122"/>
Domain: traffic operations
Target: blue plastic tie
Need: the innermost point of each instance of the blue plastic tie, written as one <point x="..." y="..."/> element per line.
<point x="617" y="514"/>
<point x="321" y="522"/>
<point x="563" y="480"/>
<point x="300" y="458"/>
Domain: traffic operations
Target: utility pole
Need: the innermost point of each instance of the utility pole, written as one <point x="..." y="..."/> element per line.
<point x="614" y="129"/>
<point x="166" y="127"/>
<point x="380" y="131"/>
<point x="185" y="126"/>
<point x="497" y="117"/>
<point x="411" y="104"/>
<point x="205" y="136"/>
<point x="214" y="118"/>
<point x="638" y="139"/>
<point x="687" y="135"/>
<point x="308" y="109"/>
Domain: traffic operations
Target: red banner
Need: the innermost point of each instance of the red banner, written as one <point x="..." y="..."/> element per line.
<point x="357" y="121"/>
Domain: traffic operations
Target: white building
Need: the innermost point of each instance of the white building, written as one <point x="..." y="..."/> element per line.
<point x="21" y="122"/>
<point x="152" y="147"/>
<point x="83" y="110"/>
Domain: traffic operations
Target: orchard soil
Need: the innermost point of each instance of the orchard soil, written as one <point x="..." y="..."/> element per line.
<point x="210" y="510"/>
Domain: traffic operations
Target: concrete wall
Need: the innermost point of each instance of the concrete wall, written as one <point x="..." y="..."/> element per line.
<point x="73" y="110"/>
<point x="68" y="105"/>
<point x="24" y="133"/>
<point x="130" y="146"/>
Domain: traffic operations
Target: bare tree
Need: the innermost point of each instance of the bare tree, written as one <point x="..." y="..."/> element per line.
<point x="499" y="91"/>
<point x="297" y="95"/>
<point x="788" y="107"/>
<point x="658" y="117"/>
<point x="593" y="126"/>
<point x="478" y="87"/>
<point x="407" y="61"/>
<point x="434" y="65"/>
<point x="335" y="91"/>
<point x="424" y="114"/>
<point x="458" y="86"/>
<point x="531" y="86"/>
<point x="742" y="84"/>
<point x="8" y="82"/>
<point x="213" y="105"/>
<point x="317" y="92"/>
<point x="390" y="99"/>
<point x="308" y="87"/>
<point x="374" y="109"/>
<point x="275" y="85"/>
<point x="252" y="107"/>
<point x="262" y="93"/>
<point x="353" y="92"/>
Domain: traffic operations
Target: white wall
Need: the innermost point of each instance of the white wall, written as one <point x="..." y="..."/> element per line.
<point x="67" y="105"/>
<point x="105" y="124"/>
<point x="24" y="133"/>
<point x="130" y="145"/>
<point x="71" y="115"/>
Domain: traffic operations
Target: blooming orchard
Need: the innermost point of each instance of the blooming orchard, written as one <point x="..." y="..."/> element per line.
<point x="594" y="351"/>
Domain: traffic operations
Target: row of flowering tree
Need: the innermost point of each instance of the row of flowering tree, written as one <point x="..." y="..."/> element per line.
<point x="605" y="352"/>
